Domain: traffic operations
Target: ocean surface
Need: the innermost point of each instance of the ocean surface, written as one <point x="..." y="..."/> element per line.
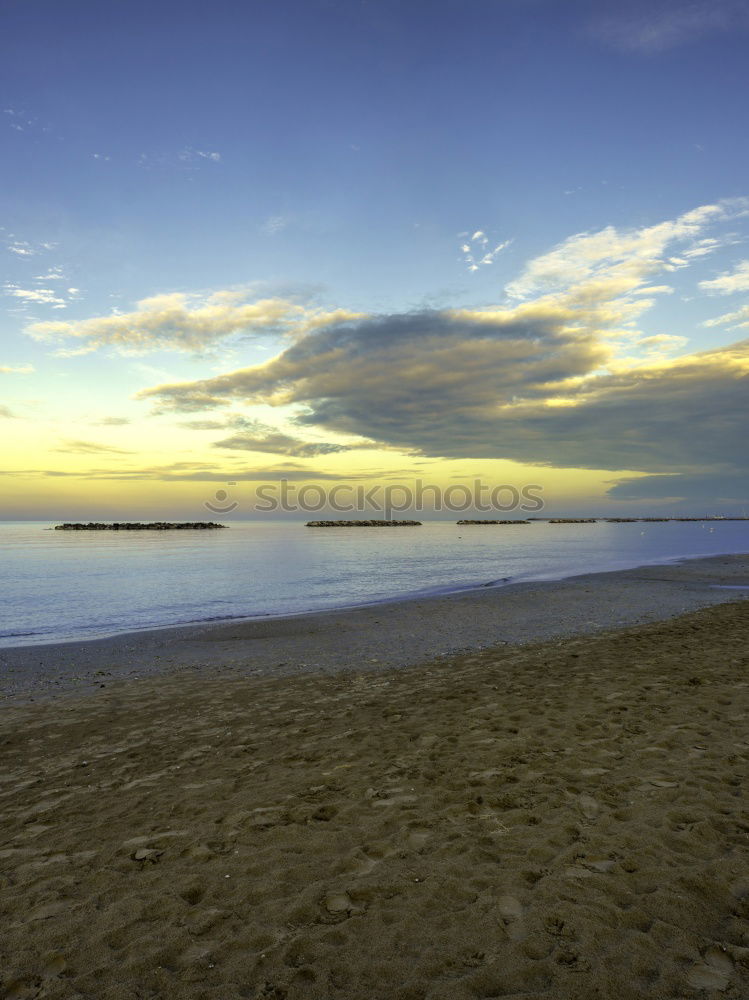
<point x="72" y="585"/>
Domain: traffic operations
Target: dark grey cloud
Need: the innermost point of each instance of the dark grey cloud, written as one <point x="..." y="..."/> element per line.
<point x="279" y="444"/>
<point x="715" y="487"/>
<point x="458" y="385"/>
<point x="257" y="436"/>
<point x="411" y="367"/>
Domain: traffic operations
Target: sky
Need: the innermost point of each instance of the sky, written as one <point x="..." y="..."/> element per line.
<point x="373" y="242"/>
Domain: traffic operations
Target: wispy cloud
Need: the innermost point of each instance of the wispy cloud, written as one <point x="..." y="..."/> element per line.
<point x="55" y="273"/>
<point x="187" y="158"/>
<point x="16" y="369"/>
<point x="201" y="472"/>
<point x="729" y="282"/>
<point x="655" y="27"/>
<point x="90" y="448"/>
<point x="257" y="436"/>
<point x="33" y="296"/>
<point x="628" y="257"/>
<point x="478" y="251"/>
<point x="191" y="155"/>
<point x="19" y="120"/>
<point x="736" y="320"/>
<point x="275" y="224"/>
<point x="23" y="248"/>
<point x="182" y="322"/>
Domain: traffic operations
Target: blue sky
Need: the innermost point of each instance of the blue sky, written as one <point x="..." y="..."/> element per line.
<point x="341" y="156"/>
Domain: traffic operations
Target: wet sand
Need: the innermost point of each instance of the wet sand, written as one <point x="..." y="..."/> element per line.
<point x="557" y="819"/>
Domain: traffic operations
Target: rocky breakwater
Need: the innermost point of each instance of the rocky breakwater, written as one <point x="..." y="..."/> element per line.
<point x="572" y="520"/>
<point x="493" y="522"/>
<point x="363" y="524"/>
<point x="140" y="526"/>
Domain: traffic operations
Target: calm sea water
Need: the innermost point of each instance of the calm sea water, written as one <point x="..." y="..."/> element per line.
<point x="72" y="585"/>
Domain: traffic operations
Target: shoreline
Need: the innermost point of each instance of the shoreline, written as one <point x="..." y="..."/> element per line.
<point x="380" y="635"/>
<point x="428" y="593"/>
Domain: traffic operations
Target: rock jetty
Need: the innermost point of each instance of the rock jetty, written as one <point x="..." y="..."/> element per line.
<point x="139" y="526"/>
<point x="363" y="524"/>
<point x="493" y="522"/>
<point x="658" y="520"/>
<point x="572" y="520"/>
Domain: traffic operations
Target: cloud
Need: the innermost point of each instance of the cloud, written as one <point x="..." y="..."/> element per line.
<point x="201" y="472"/>
<point x="90" y="448"/>
<point x="22" y="248"/>
<point x="660" y="345"/>
<point x="40" y="296"/>
<point x="650" y="28"/>
<point x="5" y="413"/>
<point x="628" y="257"/>
<point x="710" y="488"/>
<point x="737" y="320"/>
<point x="275" y="224"/>
<point x="261" y="437"/>
<point x="185" y="323"/>
<point x="18" y="120"/>
<point x="16" y="369"/>
<point x="53" y="274"/>
<point x="522" y="389"/>
<point x="190" y="155"/>
<point x="203" y="425"/>
<point x="476" y="250"/>
<point x="253" y="435"/>
<point x="728" y="282"/>
<point x="540" y="379"/>
<point x="111" y="422"/>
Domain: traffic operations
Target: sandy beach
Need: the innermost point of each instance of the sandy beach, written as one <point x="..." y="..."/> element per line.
<point x="280" y="810"/>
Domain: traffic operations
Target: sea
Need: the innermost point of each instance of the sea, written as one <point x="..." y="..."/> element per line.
<point x="61" y="585"/>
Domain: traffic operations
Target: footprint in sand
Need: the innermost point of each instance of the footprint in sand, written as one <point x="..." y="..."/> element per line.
<point x="362" y="864"/>
<point x="19" y="990"/>
<point x="338" y="902"/>
<point x="54" y="965"/>
<point x="417" y="838"/>
<point x="713" y="972"/>
<point x="511" y="912"/>
<point x="740" y="888"/>
<point x="589" y="807"/>
<point x="601" y="865"/>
